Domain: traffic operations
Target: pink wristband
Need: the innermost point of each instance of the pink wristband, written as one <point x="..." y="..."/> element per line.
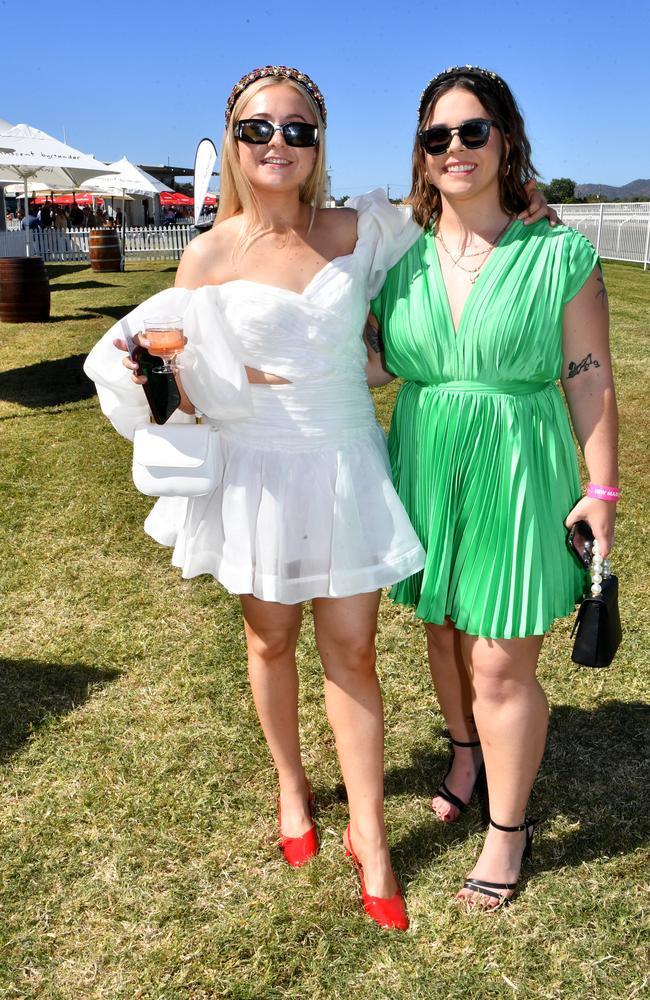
<point x="610" y="493"/>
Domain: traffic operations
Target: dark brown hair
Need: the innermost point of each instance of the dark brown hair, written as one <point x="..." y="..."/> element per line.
<point x="515" y="168"/>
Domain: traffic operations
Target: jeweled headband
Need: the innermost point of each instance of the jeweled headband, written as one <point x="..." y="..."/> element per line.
<point x="456" y="71"/>
<point x="281" y="73"/>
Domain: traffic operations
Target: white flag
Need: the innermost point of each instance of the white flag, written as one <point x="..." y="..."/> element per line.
<point x="204" y="161"/>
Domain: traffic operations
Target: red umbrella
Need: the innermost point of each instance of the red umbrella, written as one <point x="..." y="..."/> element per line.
<point x="66" y="199"/>
<point x="175" y="198"/>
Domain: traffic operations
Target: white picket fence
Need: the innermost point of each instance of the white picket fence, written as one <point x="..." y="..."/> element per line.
<point x="618" y="230"/>
<point x="53" y="245"/>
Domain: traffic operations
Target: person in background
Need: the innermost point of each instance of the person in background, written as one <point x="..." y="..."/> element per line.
<point x="169" y="215"/>
<point x="90" y="220"/>
<point x="31" y="220"/>
<point x="76" y="214"/>
<point x="60" y="218"/>
<point x="45" y="214"/>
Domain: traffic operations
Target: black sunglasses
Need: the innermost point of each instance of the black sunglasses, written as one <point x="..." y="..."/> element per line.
<point x="473" y="134"/>
<point x="258" y="131"/>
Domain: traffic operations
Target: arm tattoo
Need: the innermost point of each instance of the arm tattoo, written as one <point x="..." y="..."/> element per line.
<point x="602" y="291"/>
<point x="373" y="337"/>
<point x="582" y="366"/>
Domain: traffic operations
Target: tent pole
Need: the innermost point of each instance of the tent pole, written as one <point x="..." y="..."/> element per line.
<point x="26" y="218"/>
<point x="123" y="230"/>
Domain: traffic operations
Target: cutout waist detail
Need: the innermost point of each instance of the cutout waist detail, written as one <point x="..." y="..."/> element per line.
<point x="257" y="377"/>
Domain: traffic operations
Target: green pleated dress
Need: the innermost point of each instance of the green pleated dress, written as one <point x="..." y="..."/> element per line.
<point x="481" y="447"/>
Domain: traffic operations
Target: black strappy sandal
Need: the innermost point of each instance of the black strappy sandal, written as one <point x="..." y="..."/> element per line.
<point x="480" y="783"/>
<point x="488" y="888"/>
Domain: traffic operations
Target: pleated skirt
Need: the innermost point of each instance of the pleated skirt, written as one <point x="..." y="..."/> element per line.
<point x="487" y="475"/>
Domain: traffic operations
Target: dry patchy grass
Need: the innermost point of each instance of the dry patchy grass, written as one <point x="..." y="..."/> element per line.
<point x="138" y="804"/>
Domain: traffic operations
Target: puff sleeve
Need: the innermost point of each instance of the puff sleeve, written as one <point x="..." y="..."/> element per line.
<point x="213" y="374"/>
<point x="385" y="232"/>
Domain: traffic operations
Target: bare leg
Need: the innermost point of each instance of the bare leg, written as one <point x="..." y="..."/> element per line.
<point x="454" y="692"/>
<point x="345" y="634"/>
<point x="271" y="635"/>
<point x="511" y="713"/>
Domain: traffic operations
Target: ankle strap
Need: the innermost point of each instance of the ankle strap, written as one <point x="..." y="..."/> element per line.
<point x="512" y="829"/>
<point x="458" y="743"/>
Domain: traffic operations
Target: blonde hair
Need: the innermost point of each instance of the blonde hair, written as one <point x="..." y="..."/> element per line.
<point x="237" y="195"/>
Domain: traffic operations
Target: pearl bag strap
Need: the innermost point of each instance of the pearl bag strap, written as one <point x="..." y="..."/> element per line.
<point x="600" y="570"/>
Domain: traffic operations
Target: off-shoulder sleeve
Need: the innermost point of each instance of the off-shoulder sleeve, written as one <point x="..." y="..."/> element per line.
<point x="580" y="260"/>
<point x="384" y="232"/>
<point x="213" y="375"/>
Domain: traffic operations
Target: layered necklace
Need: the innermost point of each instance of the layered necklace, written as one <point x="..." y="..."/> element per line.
<point x="471" y="272"/>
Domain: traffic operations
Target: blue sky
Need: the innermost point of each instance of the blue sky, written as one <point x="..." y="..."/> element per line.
<point x="148" y="81"/>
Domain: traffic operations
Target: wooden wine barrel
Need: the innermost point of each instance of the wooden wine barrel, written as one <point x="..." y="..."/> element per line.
<point x="24" y="290"/>
<point x="104" y="249"/>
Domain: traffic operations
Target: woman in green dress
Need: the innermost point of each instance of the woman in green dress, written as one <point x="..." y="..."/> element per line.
<point x="480" y="318"/>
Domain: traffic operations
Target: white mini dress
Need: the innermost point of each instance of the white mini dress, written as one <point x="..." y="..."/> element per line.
<point x="305" y="507"/>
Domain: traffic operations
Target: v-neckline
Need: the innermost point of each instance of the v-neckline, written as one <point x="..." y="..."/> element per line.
<point x="444" y="294"/>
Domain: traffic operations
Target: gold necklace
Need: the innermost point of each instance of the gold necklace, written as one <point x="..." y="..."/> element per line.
<point x="472" y="272"/>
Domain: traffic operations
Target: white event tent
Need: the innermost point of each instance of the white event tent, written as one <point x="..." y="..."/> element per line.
<point x="30" y="157"/>
<point x="127" y="179"/>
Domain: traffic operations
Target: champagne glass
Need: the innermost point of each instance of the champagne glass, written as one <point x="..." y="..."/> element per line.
<point x="165" y="338"/>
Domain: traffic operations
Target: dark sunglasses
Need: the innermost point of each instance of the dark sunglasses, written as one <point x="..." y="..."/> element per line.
<point x="258" y="132"/>
<point x="473" y="134"/>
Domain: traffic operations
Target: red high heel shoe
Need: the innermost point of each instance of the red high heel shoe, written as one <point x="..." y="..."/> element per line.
<point x="299" y="850"/>
<point x="387" y="913"/>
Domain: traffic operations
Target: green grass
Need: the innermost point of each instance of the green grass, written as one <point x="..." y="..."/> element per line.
<point x="137" y="805"/>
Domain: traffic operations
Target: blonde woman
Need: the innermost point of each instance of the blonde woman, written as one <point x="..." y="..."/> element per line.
<point x="274" y="300"/>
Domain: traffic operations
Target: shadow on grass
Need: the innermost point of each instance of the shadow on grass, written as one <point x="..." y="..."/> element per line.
<point x="594" y="777"/>
<point x="48" y="383"/>
<point x="430" y="838"/>
<point x="58" y="270"/>
<point x="72" y="318"/>
<point x="113" y="312"/>
<point x="79" y="285"/>
<point x="595" y="774"/>
<point x="31" y="692"/>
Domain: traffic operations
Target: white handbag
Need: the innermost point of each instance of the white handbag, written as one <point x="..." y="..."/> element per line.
<point x="176" y="460"/>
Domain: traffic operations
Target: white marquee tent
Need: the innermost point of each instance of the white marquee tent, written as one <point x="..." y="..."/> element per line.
<point x="127" y="179"/>
<point x="29" y="156"/>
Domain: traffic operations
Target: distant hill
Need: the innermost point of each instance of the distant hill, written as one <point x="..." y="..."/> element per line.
<point x="635" y="189"/>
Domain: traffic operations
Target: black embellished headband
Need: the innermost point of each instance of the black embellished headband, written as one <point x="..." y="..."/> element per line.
<point x="451" y="72"/>
<point x="280" y="73"/>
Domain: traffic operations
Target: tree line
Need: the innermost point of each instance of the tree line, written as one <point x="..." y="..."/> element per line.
<point x="559" y="191"/>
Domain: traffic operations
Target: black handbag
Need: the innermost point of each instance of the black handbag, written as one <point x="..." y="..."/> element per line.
<point x="597" y="627"/>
